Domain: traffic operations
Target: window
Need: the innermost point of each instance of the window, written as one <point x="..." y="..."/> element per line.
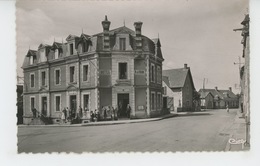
<point x="31" y="60"/>
<point x="72" y="73"/>
<point x="43" y="78"/>
<point x="85" y="73"/>
<point x="32" y="80"/>
<point x="153" y="72"/>
<point x="56" y="54"/>
<point x="32" y="102"/>
<point x="159" y="75"/>
<point x="158" y="100"/>
<point x="85" y="100"/>
<point x="122" y="44"/>
<point x="153" y="101"/>
<point x="57" y="103"/>
<point x="71" y="49"/>
<point x="85" y="47"/>
<point x="122" y="70"/>
<point x="43" y="55"/>
<point x="57" y="76"/>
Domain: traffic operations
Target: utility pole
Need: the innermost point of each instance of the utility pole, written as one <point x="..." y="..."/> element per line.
<point x="205" y="80"/>
<point x="203" y="83"/>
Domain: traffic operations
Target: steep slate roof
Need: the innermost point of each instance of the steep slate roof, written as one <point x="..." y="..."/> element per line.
<point x="122" y="29"/>
<point x="177" y="77"/>
<point x="56" y="45"/>
<point x="166" y="80"/>
<point x="31" y="53"/>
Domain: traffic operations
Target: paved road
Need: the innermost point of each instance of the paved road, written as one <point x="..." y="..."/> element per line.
<point x="187" y="133"/>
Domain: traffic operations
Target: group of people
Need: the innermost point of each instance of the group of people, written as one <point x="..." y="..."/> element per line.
<point x="107" y="112"/>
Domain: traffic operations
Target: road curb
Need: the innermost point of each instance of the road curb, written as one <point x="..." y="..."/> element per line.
<point x="104" y="123"/>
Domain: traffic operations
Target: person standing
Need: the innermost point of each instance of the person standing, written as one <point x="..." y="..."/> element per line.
<point x="34" y="112"/>
<point x="65" y="113"/>
<point x="80" y="112"/>
<point x="227" y="108"/>
<point x="62" y="117"/>
<point x="68" y="113"/>
<point x="128" y="110"/>
<point x="104" y="111"/>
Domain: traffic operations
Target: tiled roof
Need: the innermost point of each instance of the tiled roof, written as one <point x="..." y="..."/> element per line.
<point x="222" y="94"/>
<point x="166" y="80"/>
<point x="203" y="94"/>
<point x="177" y="77"/>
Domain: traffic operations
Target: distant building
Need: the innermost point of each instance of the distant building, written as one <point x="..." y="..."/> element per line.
<point x="181" y="83"/>
<point x="221" y="98"/>
<point x="112" y="68"/>
<point x="206" y="100"/>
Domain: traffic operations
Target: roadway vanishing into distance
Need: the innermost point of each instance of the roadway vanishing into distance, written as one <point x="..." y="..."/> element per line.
<point x="209" y="132"/>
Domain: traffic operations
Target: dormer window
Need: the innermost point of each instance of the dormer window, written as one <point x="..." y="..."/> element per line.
<point x="56" y="54"/>
<point x="32" y="59"/>
<point x="122" y="44"/>
<point x="85" y="47"/>
<point x="71" y="49"/>
<point x="43" y="55"/>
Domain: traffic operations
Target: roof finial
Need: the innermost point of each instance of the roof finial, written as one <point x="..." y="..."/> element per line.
<point x="158" y="35"/>
<point x="82" y="30"/>
<point x="124" y="22"/>
<point x="29" y="47"/>
<point x="62" y="40"/>
<point x="54" y="39"/>
<point x="105" y="17"/>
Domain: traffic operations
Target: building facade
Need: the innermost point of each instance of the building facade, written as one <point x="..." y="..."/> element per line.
<point x="221" y="98"/>
<point x="245" y="76"/>
<point x="206" y="100"/>
<point x="112" y="68"/>
<point x="181" y="83"/>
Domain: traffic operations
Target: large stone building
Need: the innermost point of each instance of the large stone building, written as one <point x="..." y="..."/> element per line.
<point x="112" y="68"/>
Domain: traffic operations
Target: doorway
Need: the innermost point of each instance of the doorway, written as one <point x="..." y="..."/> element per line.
<point x="122" y="102"/>
<point x="44" y="106"/>
<point x="73" y="105"/>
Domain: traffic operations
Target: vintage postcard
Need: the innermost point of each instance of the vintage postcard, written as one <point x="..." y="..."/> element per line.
<point x="133" y="76"/>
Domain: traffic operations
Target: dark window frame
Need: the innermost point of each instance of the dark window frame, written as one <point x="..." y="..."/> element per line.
<point x="122" y="70"/>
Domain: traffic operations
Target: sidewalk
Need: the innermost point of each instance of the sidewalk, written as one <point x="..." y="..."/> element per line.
<point x="106" y="122"/>
<point x="238" y="135"/>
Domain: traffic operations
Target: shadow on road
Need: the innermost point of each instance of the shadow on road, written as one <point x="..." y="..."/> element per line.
<point x="195" y="114"/>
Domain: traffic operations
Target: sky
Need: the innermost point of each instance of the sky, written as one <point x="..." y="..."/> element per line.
<point x="197" y="32"/>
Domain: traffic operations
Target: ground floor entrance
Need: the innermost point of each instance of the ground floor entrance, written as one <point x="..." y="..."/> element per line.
<point x="73" y="105"/>
<point x="44" y="106"/>
<point x="123" y="101"/>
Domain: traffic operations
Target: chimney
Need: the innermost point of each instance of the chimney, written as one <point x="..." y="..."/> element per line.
<point x="230" y="89"/>
<point x="216" y="87"/>
<point x="106" y="25"/>
<point x="185" y="66"/>
<point x="138" y="35"/>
